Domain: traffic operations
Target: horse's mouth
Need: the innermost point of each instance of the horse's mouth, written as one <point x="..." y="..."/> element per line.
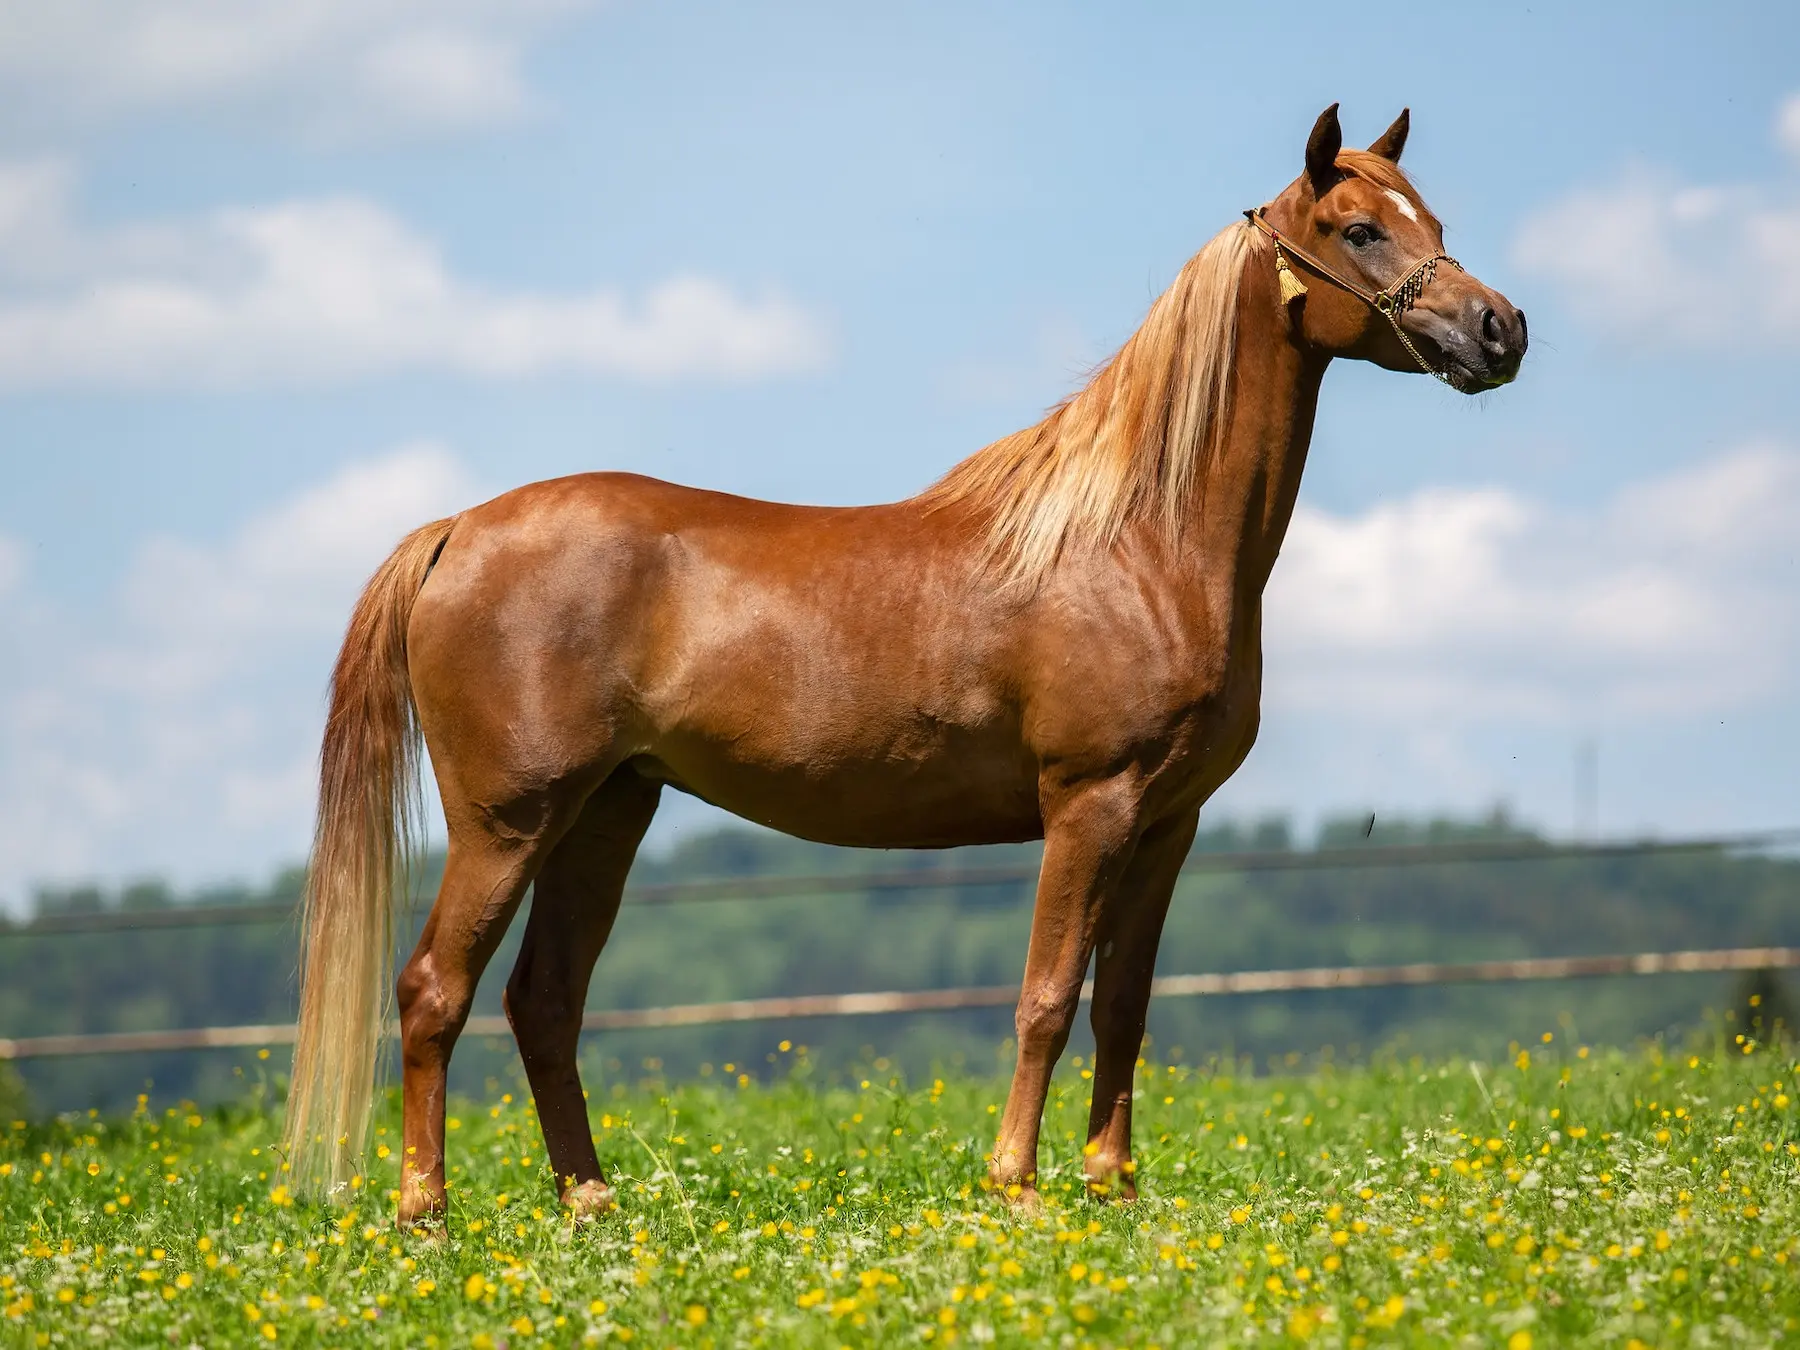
<point x="1465" y="367"/>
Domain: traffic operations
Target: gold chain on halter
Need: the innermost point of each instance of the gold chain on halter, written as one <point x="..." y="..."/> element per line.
<point x="1391" y="303"/>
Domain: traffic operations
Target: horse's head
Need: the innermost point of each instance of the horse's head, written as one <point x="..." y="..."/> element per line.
<point x="1364" y="271"/>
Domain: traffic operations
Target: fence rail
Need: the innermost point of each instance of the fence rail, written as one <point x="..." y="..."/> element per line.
<point x="924" y="878"/>
<point x="982" y="996"/>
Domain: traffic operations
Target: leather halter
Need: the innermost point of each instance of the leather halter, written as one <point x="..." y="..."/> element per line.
<point x="1391" y="303"/>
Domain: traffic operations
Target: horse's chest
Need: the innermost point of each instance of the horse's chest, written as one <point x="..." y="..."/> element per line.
<point x="1211" y="723"/>
<point x="1176" y="708"/>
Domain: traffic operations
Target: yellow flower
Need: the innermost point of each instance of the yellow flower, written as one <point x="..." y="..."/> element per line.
<point x="1519" y="1340"/>
<point x="695" y="1315"/>
<point x="475" y="1286"/>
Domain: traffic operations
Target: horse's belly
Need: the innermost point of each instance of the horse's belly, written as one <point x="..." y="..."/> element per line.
<point x="970" y="795"/>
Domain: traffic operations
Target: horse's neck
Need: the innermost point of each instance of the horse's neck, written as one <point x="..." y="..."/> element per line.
<point x="1255" y="479"/>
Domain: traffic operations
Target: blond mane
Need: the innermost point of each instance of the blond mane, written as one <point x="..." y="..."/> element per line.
<point x="1134" y="444"/>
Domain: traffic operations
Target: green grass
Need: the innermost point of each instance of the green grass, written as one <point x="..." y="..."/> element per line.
<point x="1608" y="1199"/>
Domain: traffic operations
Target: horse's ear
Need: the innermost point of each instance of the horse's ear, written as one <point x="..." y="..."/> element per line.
<point x="1322" y="150"/>
<point x="1392" y="141"/>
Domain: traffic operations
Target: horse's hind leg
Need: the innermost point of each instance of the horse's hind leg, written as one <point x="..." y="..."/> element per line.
<point x="486" y="872"/>
<point x="572" y="910"/>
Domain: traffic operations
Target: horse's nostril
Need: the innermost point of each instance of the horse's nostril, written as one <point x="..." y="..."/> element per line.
<point x="1523" y="337"/>
<point x="1490" y="327"/>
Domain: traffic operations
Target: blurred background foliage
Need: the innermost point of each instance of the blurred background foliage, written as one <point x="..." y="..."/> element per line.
<point x="936" y="934"/>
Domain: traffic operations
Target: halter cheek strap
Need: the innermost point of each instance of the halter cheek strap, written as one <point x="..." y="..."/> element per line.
<point x="1391" y="303"/>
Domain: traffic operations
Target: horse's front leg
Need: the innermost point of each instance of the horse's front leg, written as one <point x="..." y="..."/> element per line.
<point x="1089" y="836"/>
<point x="1130" y="928"/>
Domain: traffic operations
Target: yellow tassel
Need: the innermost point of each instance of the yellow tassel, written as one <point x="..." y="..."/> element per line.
<point x="1292" y="288"/>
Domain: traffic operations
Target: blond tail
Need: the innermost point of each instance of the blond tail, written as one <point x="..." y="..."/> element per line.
<point x="362" y="845"/>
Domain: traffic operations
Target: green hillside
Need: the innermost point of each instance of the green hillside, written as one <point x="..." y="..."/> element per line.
<point x="935" y="935"/>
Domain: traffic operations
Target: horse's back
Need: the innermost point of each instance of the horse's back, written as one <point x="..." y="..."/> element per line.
<point x="826" y="670"/>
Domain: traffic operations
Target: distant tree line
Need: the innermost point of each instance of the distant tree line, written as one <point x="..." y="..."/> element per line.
<point x="935" y="935"/>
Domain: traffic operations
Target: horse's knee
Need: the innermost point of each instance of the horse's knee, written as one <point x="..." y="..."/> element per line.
<point x="431" y="1014"/>
<point x="1043" y="1021"/>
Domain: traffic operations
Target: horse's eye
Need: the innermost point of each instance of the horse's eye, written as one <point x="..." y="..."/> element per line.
<point x="1360" y="235"/>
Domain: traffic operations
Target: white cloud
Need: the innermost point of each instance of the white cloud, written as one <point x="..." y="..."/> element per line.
<point x="201" y="612"/>
<point x="1660" y="262"/>
<point x="332" y="289"/>
<point x="182" y="738"/>
<point x="1787" y="125"/>
<point x="331" y="68"/>
<point x="12" y="565"/>
<point x="1679" y="597"/>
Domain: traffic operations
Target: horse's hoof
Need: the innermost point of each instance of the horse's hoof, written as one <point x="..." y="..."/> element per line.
<point x="1109" y="1180"/>
<point x="427" y="1224"/>
<point x="422" y="1212"/>
<point x="1114" y="1191"/>
<point x="589" y="1200"/>
<point x="1018" y="1195"/>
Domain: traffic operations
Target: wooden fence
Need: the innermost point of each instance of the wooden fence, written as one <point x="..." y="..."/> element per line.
<point x="988" y="996"/>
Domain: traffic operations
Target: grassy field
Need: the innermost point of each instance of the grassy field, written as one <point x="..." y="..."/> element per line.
<point x="1564" y="1197"/>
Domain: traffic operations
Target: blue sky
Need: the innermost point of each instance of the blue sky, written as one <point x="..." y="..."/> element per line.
<point x="278" y="282"/>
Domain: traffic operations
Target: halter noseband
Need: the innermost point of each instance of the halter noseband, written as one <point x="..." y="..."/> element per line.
<point x="1391" y="303"/>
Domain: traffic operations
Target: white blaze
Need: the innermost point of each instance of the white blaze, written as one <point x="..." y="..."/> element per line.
<point x="1406" y="207"/>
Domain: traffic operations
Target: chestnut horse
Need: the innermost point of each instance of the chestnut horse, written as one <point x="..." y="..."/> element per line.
<point x="1061" y="639"/>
